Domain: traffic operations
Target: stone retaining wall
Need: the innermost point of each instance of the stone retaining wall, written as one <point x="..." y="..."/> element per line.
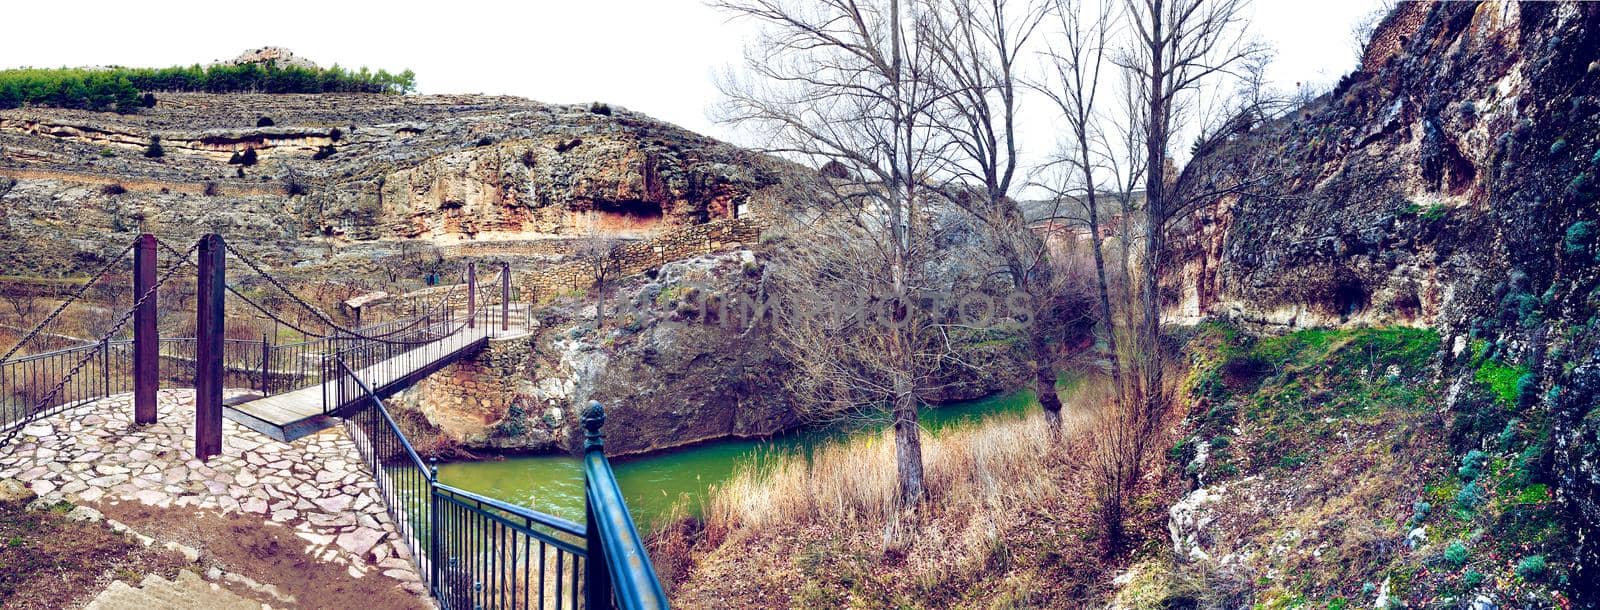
<point x="636" y="257"/>
<point x="471" y="400"/>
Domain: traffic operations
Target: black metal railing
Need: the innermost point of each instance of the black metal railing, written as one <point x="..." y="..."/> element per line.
<point x="475" y="552"/>
<point x="28" y="383"/>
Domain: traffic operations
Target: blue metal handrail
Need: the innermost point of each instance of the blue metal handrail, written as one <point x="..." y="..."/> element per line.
<point x="619" y="566"/>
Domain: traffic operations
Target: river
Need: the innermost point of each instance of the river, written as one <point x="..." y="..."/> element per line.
<point x="652" y="483"/>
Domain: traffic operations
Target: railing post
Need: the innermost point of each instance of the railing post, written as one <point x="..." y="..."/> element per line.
<point x="433" y="529"/>
<point x="146" y="338"/>
<point x="209" y="291"/>
<point x="266" y="362"/>
<point x="472" y="295"/>
<point x="597" y="576"/>
<point x="105" y="364"/>
<point x="504" y="296"/>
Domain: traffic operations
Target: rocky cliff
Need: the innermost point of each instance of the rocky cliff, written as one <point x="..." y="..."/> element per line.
<point x="1450" y="182"/>
<point x="350" y="174"/>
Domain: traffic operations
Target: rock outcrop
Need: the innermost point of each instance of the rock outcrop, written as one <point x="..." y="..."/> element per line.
<point x="1450" y="182"/>
<point x="347" y="175"/>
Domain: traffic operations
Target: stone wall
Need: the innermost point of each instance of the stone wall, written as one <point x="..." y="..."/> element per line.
<point x="480" y="402"/>
<point x="636" y="257"/>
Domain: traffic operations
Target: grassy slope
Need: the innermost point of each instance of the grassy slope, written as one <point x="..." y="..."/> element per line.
<point x="1329" y="448"/>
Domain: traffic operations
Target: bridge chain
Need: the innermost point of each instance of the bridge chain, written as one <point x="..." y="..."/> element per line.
<point x="82" y="290"/>
<point x="190" y="262"/>
<point x="73" y="372"/>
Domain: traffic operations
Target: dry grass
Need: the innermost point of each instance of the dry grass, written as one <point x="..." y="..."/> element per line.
<point x="983" y="468"/>
<point x="1006" y="518"/>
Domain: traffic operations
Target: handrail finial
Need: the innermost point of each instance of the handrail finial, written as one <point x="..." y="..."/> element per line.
<point x="593" y="418"/>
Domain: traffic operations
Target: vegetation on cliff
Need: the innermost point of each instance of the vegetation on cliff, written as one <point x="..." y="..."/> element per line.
<point x="119" y="89"/>
<point x="1326" y="475"/>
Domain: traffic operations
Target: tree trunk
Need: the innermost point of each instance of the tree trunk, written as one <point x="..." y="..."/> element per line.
<point x="1044" y="380"/>
<point x="908" y="450"/>
<point x="600" y="304"/>
<point x="1108" y="316"/>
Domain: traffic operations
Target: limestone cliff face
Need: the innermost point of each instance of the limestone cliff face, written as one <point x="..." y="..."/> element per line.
<point x="1451" y="183"/>
<point x="351" y="173"/>
<point x="676" y="364"/>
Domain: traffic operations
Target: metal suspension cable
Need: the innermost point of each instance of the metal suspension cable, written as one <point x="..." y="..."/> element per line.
<point x="115" y="328"/>
<point x="82" y="290"/>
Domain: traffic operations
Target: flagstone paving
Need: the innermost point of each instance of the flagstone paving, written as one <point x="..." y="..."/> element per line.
<point x="318" y="485"/>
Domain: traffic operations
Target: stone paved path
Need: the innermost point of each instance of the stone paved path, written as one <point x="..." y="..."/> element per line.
<point x="317" y="485"/>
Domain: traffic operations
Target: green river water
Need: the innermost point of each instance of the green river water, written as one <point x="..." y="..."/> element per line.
<point x="652" y="483"/>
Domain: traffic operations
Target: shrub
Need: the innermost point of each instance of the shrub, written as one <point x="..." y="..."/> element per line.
<point x="107" y="153"/>
<point x="1472" y="579"/>
<point x="486" y="141"/>
<point x="113" y="189"/>
<point x="600" y="108"/>
<point x="1508" y="436"/>
<point x="236" y="159"/>
<point x="293" y="186"/>
<point x="1419" y="513"/>
<point x="248" y="158"/>
<point x="1472" y="465"/>
<point x="264" y="122"/>
<point x="1456" y="553"/>
<point x="154" y="150"/>
<point x="1579" y="237"/>
<point x="1527" y="389"/>
<point x="1470" y="497"/>
<point x="1559" y="145"/>
<point x="210" y="189"/>
<point x="148" y="100"/>
<point x="1532" y="567"/>
<point x="323" y="153"/>
<point x="335" y="134"/>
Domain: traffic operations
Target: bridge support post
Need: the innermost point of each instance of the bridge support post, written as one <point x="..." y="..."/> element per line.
<point x="209" y="292"/>
<point x="505" y="297"/>
<point x="146" y="340"/>
<point x="472" y="295"/>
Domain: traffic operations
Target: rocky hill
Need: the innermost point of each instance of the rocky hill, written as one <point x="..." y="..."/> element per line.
<point x="349" y="176"/>
<point x="1450" y="183"/>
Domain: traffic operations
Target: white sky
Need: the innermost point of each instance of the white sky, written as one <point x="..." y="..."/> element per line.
<point x="653" y="56"/>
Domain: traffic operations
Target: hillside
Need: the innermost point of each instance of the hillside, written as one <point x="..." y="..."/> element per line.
<point x="1449" y="183"/>
<point x="346" y="176"/>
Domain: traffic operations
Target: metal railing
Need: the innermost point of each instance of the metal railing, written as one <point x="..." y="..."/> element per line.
<point x="476" y="552"/>
<point x="619" y="568"/>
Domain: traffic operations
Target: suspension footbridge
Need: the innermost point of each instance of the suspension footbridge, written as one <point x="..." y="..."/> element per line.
<point x="473" y="552"/>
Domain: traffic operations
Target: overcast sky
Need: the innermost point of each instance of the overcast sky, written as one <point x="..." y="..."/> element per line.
<point x="654" y="56"/>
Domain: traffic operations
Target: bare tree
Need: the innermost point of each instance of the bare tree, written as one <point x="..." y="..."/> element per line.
<point x="1175" y="53"/>
<point x="596" y="251"/>
<point x="849" y="81"/>
<point x="1075" y="64"/>
<point x="977" y="48"/>
<point x="1179" y="48"/>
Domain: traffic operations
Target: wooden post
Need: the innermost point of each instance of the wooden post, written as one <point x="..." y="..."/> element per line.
<point x="146" y="340"/>
<point x="472" y="295"/>
<point x="505" y="297"/>
<point x="208" y="321"/>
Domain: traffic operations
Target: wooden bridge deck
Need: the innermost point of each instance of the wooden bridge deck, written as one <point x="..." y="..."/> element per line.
<point x="295" y="414"/>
